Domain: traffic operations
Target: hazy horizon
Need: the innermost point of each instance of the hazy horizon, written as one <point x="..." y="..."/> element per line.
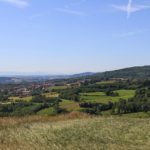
<point x="14" y="73"/>
<point x="73" y="36"/>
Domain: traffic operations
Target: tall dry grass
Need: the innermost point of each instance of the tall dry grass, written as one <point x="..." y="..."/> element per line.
<point x="12" y="121"/>
<point x="74" y="132"/>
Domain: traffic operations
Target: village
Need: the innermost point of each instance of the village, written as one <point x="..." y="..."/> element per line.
<point x="31" y="89"/>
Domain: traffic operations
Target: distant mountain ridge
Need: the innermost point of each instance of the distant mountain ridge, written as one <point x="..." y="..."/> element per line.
<point x="38" y="78"/>
<point x="81" y="75"/>
<point x="132" y="72"/>
<point x="142" y="72"/>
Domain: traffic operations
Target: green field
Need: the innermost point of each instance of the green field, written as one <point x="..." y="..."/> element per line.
<point x="16" y="98"/>
<point x="69" y="105"/>
<point x="57" y="87"/>
<point x="51" y="94"/>
<point x="28" y="98"/>
<point x="102" y="98"/>
<point x="47" y="111"/>
<point x="138" y="115"/>
<point x="96" y="133"/>
<point x="96" y="97"/>
<point x="106" y="82"/>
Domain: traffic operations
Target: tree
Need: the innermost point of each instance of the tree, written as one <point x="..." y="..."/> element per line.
<point x="111" y="93"/>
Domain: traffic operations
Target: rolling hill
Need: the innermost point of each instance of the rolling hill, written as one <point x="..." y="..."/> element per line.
<point x="132" y="72"/>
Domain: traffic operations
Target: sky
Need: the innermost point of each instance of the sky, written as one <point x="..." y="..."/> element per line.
<point x="72" y="36"/>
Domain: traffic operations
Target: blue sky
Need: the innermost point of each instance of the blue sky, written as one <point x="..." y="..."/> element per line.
<point x="71" y="36"/>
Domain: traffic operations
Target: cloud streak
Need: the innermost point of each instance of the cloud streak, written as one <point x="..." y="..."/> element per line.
<point x="17" y="3"/>
<point x="130" y="8"/>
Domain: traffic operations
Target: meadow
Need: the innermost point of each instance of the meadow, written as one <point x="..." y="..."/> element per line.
<point x="57" y="87"/>
<point x="102" y="98"/>
<point x="75" y="131"/>
<point x="110" y="82"/>
<point x="29" y="98"/>
<point x="70" y="105"/>
<point x="72" y="129"/>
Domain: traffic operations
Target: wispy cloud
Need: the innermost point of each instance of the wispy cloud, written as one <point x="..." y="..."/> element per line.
<point x="17" y="3"/>
<point x="130" y="8"/>
<point x="72" y="12"/>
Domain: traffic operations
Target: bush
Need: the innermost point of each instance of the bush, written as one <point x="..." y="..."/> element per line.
<point x="96" y="108"/>
<point x="70" y="94"/>
<point x="21" y="108"/>
<point x="111" y="93"/>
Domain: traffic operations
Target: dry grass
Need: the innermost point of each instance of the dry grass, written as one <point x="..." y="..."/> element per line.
<point x="51" y="94"/>
<point x="16" y="98"/>
<point x="74" y="132"/>
<point x="12" y="121"/>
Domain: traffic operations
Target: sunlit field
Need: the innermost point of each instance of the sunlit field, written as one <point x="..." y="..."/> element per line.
<point x="29" y="98"/>
<point x="102" y="98"/>
<point x="74" y="132"/>
<point x="69" y="105"/>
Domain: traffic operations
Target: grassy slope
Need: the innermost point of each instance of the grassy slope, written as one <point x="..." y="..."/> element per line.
<point x="110" y="82"/>
<point x="16" y="98"/>
<point x="101" y="96"/>
<point x="57" y="87"/>
<point x="51" y="94"/>
<point x="69" y="105"/>
<point x="46" y="111"/>
<point x="96" y="97"/>
<point x="28" y="98"/>
<point x="114" y="133"/>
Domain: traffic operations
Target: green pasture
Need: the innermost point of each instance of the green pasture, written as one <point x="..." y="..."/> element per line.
<point x="51" y="94"/>
<point x="57" y="87"/>
<point x="46" y="111"/>
<point x="102" y="98"/>
<point x="17" y="98"/>
<point x="29" y="98"/>
<point x="69" y="105"/>
<point x="106" y="82"/>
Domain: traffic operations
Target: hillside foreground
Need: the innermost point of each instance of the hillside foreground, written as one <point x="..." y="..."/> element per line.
<point x="75" y="131"/>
